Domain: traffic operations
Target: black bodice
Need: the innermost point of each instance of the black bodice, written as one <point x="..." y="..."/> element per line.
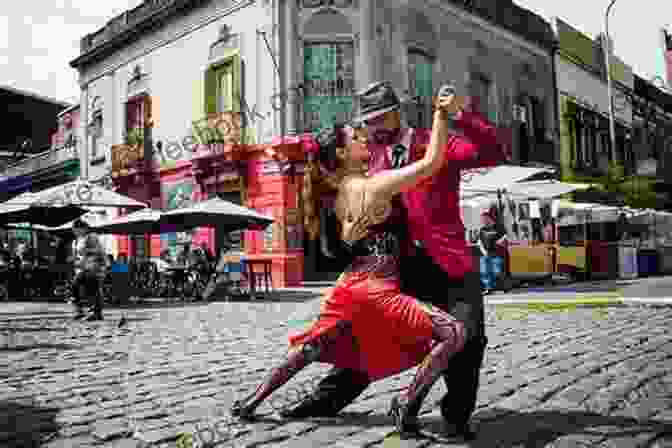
<point x="375" y="244"/>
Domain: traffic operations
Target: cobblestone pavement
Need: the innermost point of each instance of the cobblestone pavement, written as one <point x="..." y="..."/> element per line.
<point x="583" y="377"/>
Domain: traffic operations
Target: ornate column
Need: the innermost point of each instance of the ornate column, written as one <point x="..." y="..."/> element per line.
<point x="84" y="131"/>
<point x="290" y="64"/>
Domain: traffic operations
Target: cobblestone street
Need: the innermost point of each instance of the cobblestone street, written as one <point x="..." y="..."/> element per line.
<point x="598" y="377"/>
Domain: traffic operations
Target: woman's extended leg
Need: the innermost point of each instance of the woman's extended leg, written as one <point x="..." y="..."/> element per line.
<point x="451" y="336"/>
<point x="296" y="360"/>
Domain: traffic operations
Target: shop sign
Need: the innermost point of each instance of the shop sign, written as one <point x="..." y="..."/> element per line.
<point x="80" y="193"/>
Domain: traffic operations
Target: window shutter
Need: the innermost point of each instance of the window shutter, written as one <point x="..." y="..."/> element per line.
<point x="148" y="111"/>
<point x="131" y="112"/>
<point x="210" y="92"/>
<point x="237" y="83"/>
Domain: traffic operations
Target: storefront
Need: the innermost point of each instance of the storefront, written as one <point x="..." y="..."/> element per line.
<point x="242" y="174"/>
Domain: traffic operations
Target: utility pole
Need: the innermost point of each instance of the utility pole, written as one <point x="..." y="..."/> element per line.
<point x="606" y="49"/>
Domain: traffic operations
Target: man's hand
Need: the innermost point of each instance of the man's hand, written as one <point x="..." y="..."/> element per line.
<point x="450" y="104"/>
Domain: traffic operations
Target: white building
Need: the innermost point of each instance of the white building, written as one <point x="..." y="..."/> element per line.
<point x="322" y="48"/>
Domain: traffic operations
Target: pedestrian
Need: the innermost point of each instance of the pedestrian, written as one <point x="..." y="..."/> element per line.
<point x="438" y="265"/>
<point x="208" y="254"/>
<point x="89" y="268"/>
<point x="491" y="263"/>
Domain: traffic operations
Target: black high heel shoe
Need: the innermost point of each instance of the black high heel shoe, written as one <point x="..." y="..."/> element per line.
<point x="406" y="426"/>
<point x="239" y="410"/>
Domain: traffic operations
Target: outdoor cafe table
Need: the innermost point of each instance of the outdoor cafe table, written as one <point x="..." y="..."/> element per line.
<point x="252" y="261"/>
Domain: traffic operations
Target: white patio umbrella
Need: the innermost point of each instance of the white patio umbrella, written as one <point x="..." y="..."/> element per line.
<point x="85" y="194"/>
<point x="491" y="180"/>
<point x="27" y="208"/>
<point x="140" y="222"/>
<point x="215" y="212"/>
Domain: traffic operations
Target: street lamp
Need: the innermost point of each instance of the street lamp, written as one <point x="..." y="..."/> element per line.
<point x="606" y="48"/>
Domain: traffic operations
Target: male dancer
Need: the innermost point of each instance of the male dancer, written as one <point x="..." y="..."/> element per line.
<point x="439" y="267"/>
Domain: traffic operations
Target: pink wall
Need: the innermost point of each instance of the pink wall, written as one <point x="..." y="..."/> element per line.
<point x="668" y="64"/>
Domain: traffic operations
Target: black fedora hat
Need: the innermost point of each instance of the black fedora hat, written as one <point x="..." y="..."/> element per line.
<point x="375" y="100"/>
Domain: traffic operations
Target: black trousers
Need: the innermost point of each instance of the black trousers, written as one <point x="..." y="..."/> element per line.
<point x="462" y="298"/>
<point x="86" y="288"/>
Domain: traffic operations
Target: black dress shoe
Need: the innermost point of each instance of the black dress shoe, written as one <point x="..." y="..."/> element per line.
<point x="239" y="410"/>
<point x="406" y="426"/>
<point x="311" y="407"/>
<point x="460" y="432"/>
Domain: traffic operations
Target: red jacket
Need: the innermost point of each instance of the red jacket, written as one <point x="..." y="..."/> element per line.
<point x="433" y="208"/>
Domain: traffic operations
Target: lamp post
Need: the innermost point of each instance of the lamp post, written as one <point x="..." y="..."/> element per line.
<point x="606" y="48"/>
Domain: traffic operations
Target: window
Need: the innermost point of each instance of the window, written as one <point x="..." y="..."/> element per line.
<point x="328" y="71"/>
<point x="420" y="79"/>
<point x="479" y="90"/>
<point x="96" y="132"/>
<point x="225" y="93"/>
<point x="223" y="85"/>
<point x="538" y="119"/>
<point x="135" y="114"/>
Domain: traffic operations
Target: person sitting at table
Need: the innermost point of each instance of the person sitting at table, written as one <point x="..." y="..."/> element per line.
<point x="210" y="258"/>
<point x="221" y="274"/>
<point x="183" y="258"/>
<point x="109" y="262"/>
<point x="164" y="262"/>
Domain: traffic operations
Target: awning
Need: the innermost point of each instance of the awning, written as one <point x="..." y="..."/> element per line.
<point x="544" y="189"/>
<point x="490" y="180"/>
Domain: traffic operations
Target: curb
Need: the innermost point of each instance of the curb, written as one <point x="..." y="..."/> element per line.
<point x="593" y="301"/>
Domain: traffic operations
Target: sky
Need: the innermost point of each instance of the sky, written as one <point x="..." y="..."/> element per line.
<point x="38" y="38"/>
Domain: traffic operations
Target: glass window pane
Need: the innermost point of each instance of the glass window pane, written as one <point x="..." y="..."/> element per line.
<point x="225" y="89"/>
<point x="329" y="82"/>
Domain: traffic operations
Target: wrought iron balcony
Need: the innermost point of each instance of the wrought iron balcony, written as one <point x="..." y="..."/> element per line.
<point x="42" y="161"/>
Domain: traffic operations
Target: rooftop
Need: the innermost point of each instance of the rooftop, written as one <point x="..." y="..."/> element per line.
<point x="35" y="96"/>
<point x="151" y="14"/>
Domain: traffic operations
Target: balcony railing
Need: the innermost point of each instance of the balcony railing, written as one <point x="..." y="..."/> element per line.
<point x="41" y="161"/>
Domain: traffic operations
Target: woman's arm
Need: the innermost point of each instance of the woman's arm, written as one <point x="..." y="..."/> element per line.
<point x="388" y="183"/>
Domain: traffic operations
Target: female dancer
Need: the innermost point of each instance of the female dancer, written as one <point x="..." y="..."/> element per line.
<point x="365" y="322"/>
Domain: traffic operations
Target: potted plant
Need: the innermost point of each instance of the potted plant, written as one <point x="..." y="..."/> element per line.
<point x="135" y="137"/>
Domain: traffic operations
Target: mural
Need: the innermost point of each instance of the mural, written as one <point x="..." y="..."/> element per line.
<point x="177" y="195"/>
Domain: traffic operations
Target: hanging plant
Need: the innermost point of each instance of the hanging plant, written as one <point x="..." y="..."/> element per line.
<point x="135" y="137"/>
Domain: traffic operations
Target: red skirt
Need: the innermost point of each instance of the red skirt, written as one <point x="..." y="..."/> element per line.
<point x="392" y="332"/>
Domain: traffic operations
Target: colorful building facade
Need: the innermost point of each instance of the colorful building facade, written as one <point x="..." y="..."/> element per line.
<point x="585" y="149"/>
<point x="182" y="99"/>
